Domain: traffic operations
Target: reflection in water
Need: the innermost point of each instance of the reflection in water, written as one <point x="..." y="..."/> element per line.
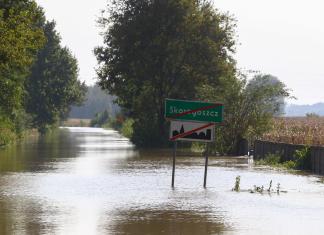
<point x="164" y="222"/>
<point x="92" y="181"/>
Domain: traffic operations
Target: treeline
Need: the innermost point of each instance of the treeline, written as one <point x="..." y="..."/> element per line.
<point x="97" y="100"/>
<point x="181" y="49"/>
<point x="38" y="77"/>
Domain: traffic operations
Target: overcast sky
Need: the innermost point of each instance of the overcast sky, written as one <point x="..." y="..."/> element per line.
<point x="282" y="37"/>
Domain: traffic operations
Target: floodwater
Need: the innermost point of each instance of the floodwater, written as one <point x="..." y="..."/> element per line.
<point x="92" y="181"/>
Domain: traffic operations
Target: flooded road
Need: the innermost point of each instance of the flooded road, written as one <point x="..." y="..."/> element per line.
<point x="92" y="181"/>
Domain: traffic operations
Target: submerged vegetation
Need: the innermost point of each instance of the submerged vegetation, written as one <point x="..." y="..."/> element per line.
<point x="38" y="77"/>
<point x="257" y="189"/>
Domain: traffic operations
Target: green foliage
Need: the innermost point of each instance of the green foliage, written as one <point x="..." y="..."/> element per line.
<point x="302" y="158"/>
<point x="270" y="159"/>
<point x="22" y="121"/>
<point x="127" y="128"/>
<point x="162" y="49"/>
<point x="122" y="124"/>
<point x="249" y="108"/>
<point x="38" y="78"/>
<point x="198" y="147"/>
<point x="21" y="38"/>
<point x="289" y="164"/>
<point x="7" y="131"/>
<point x="116" y="123"/>
<point x="100" y="119"/>
<point x="237" y="184"/>
<point x="53" y="86"/>
<point x="275" y="160"/>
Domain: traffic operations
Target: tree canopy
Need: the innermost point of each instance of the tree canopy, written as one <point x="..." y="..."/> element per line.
<point x="38" y="77"/>
<point x="19" y="42"/>
<point x="249" y="109"/>
<point x="53" y="86"/>
<point x="162" y="49"/>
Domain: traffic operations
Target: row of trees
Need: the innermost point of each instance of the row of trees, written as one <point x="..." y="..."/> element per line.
<point x="38" y="77"/>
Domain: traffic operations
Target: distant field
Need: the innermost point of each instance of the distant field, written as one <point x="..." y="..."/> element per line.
<point x="73" y="122"/>
<point x="297" y="130"/>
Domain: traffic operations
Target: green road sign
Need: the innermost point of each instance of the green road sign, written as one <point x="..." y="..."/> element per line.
<point x="193" y="111"/>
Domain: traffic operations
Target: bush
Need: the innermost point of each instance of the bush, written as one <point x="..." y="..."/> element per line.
<point x="289" y="164"/>
<point x="127" y="128"/>
<point x="115" y="123"/>
<point x="271" y="159"/>
<point x="302" y="158"/>
<point x="7" y="133"/>
<point x="100" y="119"/>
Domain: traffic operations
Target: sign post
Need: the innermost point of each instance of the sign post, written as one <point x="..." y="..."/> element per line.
<point x="192" y="121"/>
<point x="206" y="165"/>
<point x="174" y="159"/>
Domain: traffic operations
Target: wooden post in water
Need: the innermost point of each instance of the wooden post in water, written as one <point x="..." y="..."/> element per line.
<point x="174" y="159"/>
<point x="206" y="165"/>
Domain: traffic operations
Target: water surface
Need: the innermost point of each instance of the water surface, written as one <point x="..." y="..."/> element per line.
<point x="93" y="181"/>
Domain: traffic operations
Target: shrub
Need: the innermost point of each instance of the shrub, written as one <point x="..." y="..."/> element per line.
<point x="289" y="164"/>
<point x="302" y="158"/>
<point x="127" y="128"/>
<point x="272" y="159"/>
<point x="100" y="119"/>
<point x="7" y="133"/>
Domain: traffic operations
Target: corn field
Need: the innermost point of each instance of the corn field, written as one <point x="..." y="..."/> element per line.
<point x="297" y="130"/>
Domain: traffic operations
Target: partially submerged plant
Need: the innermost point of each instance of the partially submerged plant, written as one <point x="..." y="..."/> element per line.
<point x="270" y="185"/>
<point x="237" y="184"/>
<point x="257" y="189"/>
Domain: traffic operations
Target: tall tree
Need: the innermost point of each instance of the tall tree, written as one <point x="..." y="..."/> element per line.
<point x="21" y="37"/>
<point x="158" y="49"/>
<point x="250" y="107"/>
<point x="53" y="85"/>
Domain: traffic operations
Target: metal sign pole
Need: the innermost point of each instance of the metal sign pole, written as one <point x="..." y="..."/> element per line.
<point x="174" y="159"/>
<point x="206" y="164"/>
<point x="192" y="121"/>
